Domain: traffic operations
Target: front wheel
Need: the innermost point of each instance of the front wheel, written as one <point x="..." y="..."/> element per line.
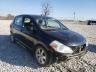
<point x="42" y="56"/>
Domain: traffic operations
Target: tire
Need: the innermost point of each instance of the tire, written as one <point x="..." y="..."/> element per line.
<point x="12" y="38"/>
<point x="42" y="56"/>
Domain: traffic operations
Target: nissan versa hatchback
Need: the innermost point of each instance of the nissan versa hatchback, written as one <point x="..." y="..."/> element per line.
<point x="47" y="38"/>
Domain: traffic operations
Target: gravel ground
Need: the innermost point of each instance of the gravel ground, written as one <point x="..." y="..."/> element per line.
<point x="14" y="58"/>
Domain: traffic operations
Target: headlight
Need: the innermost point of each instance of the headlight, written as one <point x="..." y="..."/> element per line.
<point x="59" y="47"/>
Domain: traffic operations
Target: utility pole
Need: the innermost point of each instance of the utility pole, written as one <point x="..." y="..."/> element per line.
<point x="74" y="16"/>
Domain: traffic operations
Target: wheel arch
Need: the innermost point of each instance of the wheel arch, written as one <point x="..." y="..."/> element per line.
<point x="43" y="45"/>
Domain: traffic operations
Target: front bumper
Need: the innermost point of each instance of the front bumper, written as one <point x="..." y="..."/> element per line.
<point x="69" y="56"/>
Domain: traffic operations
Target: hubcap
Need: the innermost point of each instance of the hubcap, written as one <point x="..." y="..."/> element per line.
<point x="41" y="55"/>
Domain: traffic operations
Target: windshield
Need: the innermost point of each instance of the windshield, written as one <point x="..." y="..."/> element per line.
<point x="50" y="24"/>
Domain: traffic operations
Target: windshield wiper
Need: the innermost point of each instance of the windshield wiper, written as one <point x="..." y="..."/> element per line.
<point x="52" y="27"/>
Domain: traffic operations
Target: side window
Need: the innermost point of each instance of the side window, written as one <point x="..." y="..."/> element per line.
<point x="27" y="21"/>
<point x="18" y="21"/>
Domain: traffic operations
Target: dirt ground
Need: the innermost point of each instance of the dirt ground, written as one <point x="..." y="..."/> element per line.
<point x="14" y="58"/>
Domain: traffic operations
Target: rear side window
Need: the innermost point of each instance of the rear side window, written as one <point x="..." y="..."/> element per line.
<point x="18" y="21"/>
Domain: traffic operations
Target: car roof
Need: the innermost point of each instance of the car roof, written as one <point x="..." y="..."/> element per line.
<point x="35" y="16"/>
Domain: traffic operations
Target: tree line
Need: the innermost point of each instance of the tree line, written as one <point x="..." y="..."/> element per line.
<point x="7" y="17"/>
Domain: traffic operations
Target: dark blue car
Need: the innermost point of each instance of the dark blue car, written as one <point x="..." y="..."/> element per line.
<point x="47" y="38"/>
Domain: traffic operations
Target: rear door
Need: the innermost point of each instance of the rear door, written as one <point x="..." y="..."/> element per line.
<point x="17" y="27"/>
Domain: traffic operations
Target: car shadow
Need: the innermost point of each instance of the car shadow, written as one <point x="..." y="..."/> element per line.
<point x="92" y="48"/>
<point x="15" y="54"/>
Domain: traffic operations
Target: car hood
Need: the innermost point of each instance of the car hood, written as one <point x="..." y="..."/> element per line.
<point x="67" y="37"/>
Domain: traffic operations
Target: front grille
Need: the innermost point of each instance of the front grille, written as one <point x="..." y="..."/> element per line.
<point x="78" y="49"/>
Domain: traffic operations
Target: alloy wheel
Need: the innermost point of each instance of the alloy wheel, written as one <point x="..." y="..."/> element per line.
<point x="41" y="55"/>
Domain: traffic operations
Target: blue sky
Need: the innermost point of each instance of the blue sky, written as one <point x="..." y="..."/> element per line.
<point x="84" y="9"/>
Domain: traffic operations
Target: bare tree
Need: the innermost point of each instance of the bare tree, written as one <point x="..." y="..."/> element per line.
<point x="46" y="9"/>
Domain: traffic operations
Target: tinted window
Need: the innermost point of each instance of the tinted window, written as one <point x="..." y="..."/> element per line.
<point x="27" y="21"/>
<point x="18" y="21"/>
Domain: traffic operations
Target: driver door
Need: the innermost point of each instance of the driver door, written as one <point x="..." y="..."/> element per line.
<point x="27" y="31"/>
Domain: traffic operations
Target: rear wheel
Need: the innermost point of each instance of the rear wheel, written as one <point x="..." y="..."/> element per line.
<point x="42" y="56"/>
